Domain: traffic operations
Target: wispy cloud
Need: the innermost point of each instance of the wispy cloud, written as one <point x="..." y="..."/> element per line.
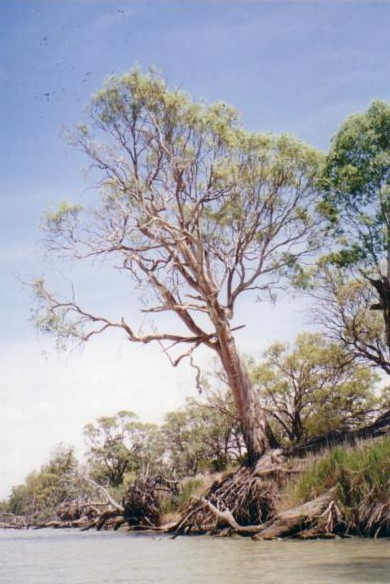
<point x="12" y="253"/>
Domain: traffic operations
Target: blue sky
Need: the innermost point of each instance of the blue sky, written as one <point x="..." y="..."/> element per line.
<point x="299" y="67"/>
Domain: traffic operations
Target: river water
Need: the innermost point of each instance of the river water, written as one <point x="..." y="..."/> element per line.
<point x="71" y="557"/>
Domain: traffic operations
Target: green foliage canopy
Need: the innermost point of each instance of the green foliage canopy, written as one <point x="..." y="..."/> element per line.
<point x="204" y="435"/>
<point x="192" y="205"/>
<point x="356" y="186"/>
<point x="121" y="444"/>
<point x="314" y="387"/>
<point x="43" y="490"/>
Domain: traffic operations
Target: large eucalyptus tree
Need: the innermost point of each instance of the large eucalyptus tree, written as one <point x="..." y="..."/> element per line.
<point x="195" y="211"/>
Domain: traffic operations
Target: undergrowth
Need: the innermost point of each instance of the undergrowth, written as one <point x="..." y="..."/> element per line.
<point x="361" y="476"/>
<point x="189" y="488"/>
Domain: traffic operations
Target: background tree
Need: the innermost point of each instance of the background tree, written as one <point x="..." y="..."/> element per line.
<point x="122" y="444"/>
<point x="43" y="490"/>
<point x="356" y="185"/>
<point x="314" y="387"/>
<point x="204" y="435"/>
<point x="343" y="309"/>
<point x="195" y="211"/>
<point x="217" y="406"/>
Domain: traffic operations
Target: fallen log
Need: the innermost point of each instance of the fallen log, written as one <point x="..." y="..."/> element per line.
<point x="380" y="427"/>
<point x="299" y="519"/>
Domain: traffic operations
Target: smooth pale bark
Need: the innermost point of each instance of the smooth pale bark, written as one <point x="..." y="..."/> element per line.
<point x="253" y="422"/>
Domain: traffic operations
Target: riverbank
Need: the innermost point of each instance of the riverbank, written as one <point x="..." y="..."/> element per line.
<point x="343" y="492"/>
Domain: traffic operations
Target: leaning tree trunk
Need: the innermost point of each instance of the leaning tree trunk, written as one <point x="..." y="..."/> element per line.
<point x="253" y="422"/>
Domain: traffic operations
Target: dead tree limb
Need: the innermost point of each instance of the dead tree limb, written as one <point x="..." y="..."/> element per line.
<point x="100" y="489"/>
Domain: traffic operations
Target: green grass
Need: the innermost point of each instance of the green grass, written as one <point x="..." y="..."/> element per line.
<point x="361" y="476"/>
<point x="189" y="488"/>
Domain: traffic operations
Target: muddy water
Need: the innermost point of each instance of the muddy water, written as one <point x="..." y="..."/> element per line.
<point x="70" y="557"/>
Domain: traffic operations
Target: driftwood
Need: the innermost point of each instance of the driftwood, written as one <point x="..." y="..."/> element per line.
<point x="106" y="495"/>
<point x="85" y="514"/>
<point x="141" y="509"/>
<point x="77" y="509"/>
<point x="61" y="524"/>
<point x="111" y="515"/>
<point x="11" y="521"/>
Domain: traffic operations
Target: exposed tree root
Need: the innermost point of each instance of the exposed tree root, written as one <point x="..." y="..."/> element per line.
<point x="374" y="520"/>
<point x="316" y="518"/>
<point x="142" y="503"/>
<point x="245" y="498"/>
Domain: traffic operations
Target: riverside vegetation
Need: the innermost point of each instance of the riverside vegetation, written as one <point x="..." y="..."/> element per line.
<point x="185" y="476"/>
<point x="195" y="212"/>
<point x="343" y="492"/>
